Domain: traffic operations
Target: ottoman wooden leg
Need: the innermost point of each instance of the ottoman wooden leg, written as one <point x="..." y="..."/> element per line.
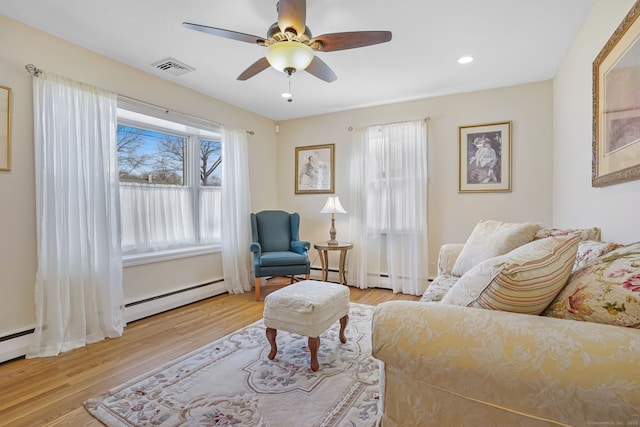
<point x="343" y="324"/>
<point x="314" y="344"/>
<point x="271" y="337"/>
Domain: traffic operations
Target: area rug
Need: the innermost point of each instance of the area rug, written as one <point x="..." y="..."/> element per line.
<point x="231" y="382"/>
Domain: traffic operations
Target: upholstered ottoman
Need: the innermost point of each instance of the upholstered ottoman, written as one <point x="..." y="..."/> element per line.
<point x="306" y="308"/>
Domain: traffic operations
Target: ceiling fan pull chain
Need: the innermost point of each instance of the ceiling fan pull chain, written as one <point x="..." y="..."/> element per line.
<point x="288" y="95"/>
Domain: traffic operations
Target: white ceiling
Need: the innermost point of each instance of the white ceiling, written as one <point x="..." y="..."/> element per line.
<point x="513" y="41"/>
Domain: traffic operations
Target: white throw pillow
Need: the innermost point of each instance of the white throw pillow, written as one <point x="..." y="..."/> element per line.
<point x="490" y="239"/>
<point x="525" y="280"/>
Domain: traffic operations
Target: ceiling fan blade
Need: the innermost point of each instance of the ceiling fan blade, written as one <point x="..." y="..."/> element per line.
<point x="292" y="14"/>
<point x="228" y="34"/>
<point x="253" y="69"/>
<point x="349" y="40"/>
<point x="321" y="70"/>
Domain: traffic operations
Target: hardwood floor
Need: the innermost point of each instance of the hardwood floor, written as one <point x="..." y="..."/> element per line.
<point x="50" y="391"/>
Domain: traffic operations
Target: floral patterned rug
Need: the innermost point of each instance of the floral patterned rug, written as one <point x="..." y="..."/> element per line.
<point x="231" y="382"/>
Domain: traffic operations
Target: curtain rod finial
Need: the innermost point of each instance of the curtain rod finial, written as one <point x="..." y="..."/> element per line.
<point x="32" y="69"/>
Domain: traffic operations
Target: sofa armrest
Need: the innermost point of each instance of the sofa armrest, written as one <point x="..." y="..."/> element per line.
<point x="447" y="257"/>
<point x="482" y="363"/>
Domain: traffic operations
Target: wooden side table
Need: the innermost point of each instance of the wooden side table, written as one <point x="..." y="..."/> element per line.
<point x="323" y="250"/>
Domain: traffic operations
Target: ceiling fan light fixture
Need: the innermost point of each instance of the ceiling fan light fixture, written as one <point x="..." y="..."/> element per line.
<point x="287" y="55"/>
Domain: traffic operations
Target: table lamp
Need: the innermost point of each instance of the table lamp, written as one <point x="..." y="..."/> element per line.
<point x="333" y="207"/>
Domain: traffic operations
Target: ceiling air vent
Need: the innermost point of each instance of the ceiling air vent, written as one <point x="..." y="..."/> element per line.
<point x="173" y="66"/>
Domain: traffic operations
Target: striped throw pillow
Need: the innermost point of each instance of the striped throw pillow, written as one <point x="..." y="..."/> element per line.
<point x="525" y="280"/>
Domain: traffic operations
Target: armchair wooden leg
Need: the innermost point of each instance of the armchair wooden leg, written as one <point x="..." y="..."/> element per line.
<point x="257" y="285"/>
<point x="307" y="276"/>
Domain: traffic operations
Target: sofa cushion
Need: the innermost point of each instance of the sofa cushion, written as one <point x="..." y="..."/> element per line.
<point x="590" y="250"/>
<point x="592" y="233"/>
<point x="492" y="238"/>
<point x="605" y="291"/>
<point x="439" y="288"/>
<point x="525" y="280"/>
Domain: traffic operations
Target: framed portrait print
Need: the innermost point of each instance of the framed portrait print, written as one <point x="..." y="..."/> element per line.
<point x="315" y="169"/>
<point x="485" y="158"/>
<point x="616" y="105"/>
<point x="5" y="128"/>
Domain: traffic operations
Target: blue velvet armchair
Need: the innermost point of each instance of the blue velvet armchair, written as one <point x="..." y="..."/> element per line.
<point x="277" y="249"/>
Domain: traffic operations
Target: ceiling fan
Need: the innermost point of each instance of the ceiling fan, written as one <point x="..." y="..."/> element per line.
<point x="290" y="45"/>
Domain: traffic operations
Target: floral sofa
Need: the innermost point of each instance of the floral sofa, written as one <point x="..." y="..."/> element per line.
<point x="542" y="331"/>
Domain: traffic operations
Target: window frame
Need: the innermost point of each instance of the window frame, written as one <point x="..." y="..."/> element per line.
<point x="195" y="130"/>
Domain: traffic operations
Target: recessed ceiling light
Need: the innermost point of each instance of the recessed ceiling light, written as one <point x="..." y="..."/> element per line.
<point x="465" y="60"/>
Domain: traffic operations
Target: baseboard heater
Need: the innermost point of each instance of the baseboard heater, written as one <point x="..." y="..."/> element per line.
<point x="14" y="345"/>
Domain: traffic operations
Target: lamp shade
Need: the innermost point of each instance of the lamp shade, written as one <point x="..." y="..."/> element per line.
<point x="333" y="205"/>
<point x="289" y="55"/>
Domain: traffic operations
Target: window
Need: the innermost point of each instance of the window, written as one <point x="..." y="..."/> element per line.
<point x="150" y="157"/>
<point x="389" y="207"/>
<point x="170" y="182"/>
<point x="393" y="176"/>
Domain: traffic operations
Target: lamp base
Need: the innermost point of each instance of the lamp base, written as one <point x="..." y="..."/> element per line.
<point x="332" y="232"/>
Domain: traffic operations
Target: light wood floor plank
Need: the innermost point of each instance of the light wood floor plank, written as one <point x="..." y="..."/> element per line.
<point x="50" y="391"/>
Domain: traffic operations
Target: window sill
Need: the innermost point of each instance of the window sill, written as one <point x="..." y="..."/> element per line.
<point x="168" y="255"/>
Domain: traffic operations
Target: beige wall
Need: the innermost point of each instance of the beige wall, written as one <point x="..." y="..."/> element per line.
<point x="551" y="155"/>
<point x="576" y="203"/>
<point x="22" y="45"/>
<point x="451" y="215"/>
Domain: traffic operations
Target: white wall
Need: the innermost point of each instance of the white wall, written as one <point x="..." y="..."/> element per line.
<point x="451" y="215"/>
<point x="22" y="45"/>
<point x="575" y="202"/>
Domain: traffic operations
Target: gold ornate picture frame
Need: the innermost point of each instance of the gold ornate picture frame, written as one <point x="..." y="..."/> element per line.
<point x="5" y="128"/>
<point x="485" y="158"/>
<point x="616" y="105"/>
<point x="315" y="169"/>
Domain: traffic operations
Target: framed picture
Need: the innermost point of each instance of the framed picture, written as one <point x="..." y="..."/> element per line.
<point x="616" y="105"/>
<point x="5" y="128"/>
<point x="485" y="158"/>
<point x="315" y="169"/>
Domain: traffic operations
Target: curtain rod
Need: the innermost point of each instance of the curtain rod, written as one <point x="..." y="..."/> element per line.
<point x="35" y="71"/>
<point x="426" y="119"/>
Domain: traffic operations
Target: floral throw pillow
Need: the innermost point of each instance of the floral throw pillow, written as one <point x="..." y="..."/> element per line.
<point x="592" y="233"/>
<point x="604" y="291"/>
<point x="590" y="250"/>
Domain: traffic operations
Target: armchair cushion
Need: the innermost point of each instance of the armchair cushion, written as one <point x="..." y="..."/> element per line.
<point x="271" y="259"/>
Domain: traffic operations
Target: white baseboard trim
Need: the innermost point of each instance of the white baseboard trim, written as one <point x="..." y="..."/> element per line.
<point x="16" y="347"/>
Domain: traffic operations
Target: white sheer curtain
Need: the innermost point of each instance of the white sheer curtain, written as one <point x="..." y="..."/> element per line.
<point x="236" y="210"/>
<point x="155" y="217"/>
<point x="211" y="215"/>
<point x="389" y="208"/>
<point x="78" y="290"/>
